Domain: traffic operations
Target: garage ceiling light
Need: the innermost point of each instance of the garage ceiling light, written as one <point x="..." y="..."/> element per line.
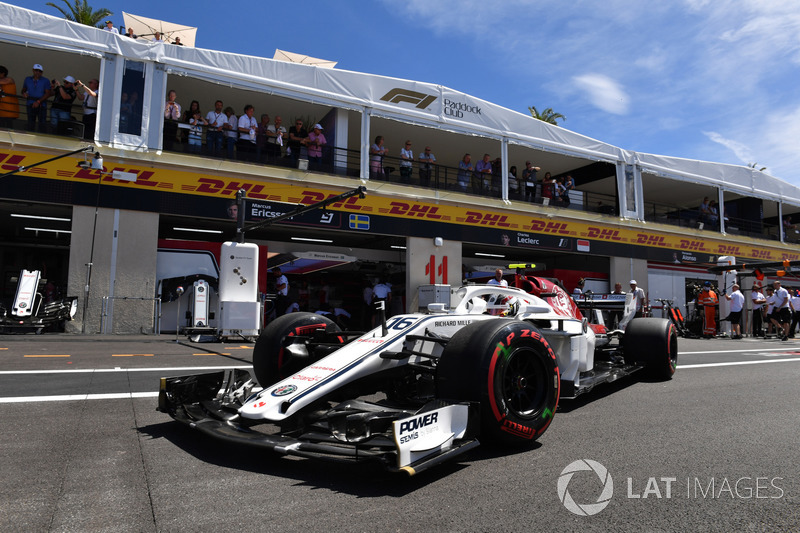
<point x="37" y="217"/>
<point x="311" y="240"/>
<point x="489" y="255"/>
<point x="196" y="230"/>
<point x="396" y="247"/>
<point x="49" y="230"/>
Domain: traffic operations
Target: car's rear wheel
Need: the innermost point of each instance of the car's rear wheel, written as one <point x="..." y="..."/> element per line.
<point x="509" y="368"/>
<point x="654" y="343"/>
<point x="279" y="351"/>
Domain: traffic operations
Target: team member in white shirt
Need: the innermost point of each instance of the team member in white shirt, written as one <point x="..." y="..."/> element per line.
<point x="216" y="121"/>
<point x="736" y="298"/>
<point x="758" y="310"/>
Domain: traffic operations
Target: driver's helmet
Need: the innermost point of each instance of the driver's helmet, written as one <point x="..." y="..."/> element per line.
<point x="513" y="305"/>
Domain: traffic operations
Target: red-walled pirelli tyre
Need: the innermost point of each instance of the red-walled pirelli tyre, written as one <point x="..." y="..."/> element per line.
<point x="275" y="356"/>
<point x="654" y="342"/>
<point x="509" y="368"/>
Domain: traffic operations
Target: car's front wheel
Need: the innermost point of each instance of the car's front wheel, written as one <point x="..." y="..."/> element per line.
<point x="281" y="350"/>
<point x="509" y="368"/>
<point x="653" y="342"/>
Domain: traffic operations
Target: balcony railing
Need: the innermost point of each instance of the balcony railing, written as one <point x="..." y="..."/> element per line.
<point x="347" y="162"/>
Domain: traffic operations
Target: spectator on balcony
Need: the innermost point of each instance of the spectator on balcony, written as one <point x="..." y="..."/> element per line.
<point x="172" y="114"/>
<point x="377" y="152"/>
<point x="216" y="120"/>
<point x="484" y="171"/>
<point x="560" y="191"/>
<point x="297" y="138"/>
<point x="9" y="103"/>
<point x="65" y="94"/>
<point x="406" y="163"/>
<point x="188" y="114"/>
<point x="513" y="184"/>
<point x="316" y="140"/>
<point x="247" y="127"/>
<point x="231" y="129"/>
<point x="177" y="41"/>
<point x="569" y="185"/>
<point x="157" y="37"/>
<point x="197" y="122"/>
<point x="548" y="188"/>
<point x="276" y="138"/>
<point x="529" y="181"/>
<point x="261" y="138"/>
<point x="111" y="28"/>
<point x="707" y="216"/>
<point x="36" y="90"/>
<point x="89" y="98"/>
<point x="130" y="34"/>
<point x="464" y="173"/>
<point x="426" y="163"/>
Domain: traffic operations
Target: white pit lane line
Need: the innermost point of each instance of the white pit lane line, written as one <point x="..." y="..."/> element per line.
<point x="107" y="396"/>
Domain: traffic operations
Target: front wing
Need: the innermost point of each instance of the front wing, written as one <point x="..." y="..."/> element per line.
<point x="409" y="440"/>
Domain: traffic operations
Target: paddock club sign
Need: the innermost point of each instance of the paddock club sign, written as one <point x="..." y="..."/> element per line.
<point x="172" y="186"/>
<point x="420" y="100"/>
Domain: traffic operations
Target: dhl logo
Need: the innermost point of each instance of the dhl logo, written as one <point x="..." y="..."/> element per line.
<point x="559" y="228"/>
<point x="651" y="240"/>
<point x="603" y="233"/>
<point x="724" y="249"/>
<point x="487" y="219"/>
<point x="697" y="246"/>
<point x="414" y="210"/>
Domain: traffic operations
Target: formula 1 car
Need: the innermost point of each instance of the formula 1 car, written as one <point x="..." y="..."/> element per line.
<point x="420" y="388"/>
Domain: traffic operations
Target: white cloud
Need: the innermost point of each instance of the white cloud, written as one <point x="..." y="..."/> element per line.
<point x="603" y="92"/>
<point x="740" y="150"/>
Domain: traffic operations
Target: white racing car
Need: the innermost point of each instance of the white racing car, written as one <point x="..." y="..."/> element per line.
<point x="420" y="388"/>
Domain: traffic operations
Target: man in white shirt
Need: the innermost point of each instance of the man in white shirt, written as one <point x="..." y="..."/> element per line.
<point x="110" y="27"/>
<point x="794" y="300"/>
<point x="639" y="297"/>
<point x="276" y="137"/>
<point x="782" y="318"/>
<point x="216" y="120"/>
<point x="498" y="279"/>
<point x="282" y="289"/>
<point x="247" y="127"/>
<point x="736" y="298"/>
<point x="758" y="310"/>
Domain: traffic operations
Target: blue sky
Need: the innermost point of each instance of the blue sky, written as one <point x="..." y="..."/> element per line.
<point x="716" y="80"/>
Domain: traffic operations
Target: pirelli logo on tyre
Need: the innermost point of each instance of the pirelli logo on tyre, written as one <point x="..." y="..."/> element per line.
<point x="405" y="96"/>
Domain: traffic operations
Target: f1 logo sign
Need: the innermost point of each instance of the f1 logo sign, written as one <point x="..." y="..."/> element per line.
<point x="398" y="96"/>
<point x="435" y="272"/>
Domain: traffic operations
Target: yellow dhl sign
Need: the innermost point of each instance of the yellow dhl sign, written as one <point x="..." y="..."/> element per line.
<point x="189" y="182"/>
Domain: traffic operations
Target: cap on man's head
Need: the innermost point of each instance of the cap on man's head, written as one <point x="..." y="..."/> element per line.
<point x="317" y="127"/>
<point x="706" y="284"/>
<point x="37" y="66"/>
<point x="633" y="282"/>
<point x="70" y="79"/>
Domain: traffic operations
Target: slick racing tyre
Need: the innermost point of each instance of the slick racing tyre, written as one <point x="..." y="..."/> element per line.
<point x="654" y="343"/>
<point x="509" y="368"/>
<point x="276" y="356"/>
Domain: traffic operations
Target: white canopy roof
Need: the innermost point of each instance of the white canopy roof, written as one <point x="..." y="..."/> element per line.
<point x="407" y="101"/>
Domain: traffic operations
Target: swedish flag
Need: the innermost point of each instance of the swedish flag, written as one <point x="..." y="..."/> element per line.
<point x="359" y="222"/>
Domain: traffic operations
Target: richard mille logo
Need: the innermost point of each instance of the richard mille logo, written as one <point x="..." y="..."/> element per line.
<point x="400" y="96"/>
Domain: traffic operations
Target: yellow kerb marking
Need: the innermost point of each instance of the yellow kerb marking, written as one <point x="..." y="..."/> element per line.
<point x="131" y="355"/>
<point x="46" y="355"/>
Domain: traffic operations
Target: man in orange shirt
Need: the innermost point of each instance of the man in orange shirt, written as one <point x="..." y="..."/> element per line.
<point x="709" y="300"/>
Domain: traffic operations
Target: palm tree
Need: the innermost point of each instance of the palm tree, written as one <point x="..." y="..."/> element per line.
<point x="80" y="11"/>
<point x="548" y="115"/>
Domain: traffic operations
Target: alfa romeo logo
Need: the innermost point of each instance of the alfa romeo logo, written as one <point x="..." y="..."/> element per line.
<point x="585" y="509"/>
<point x="283" y="391"/>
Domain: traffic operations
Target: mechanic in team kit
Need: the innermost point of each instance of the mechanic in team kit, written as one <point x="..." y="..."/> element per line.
<point x="758" y="310"/>
<point x="639" y="297"/>
<point x="736" y="298"/>
<point x="498" y="279"/>
<point x="782" y="314"/>
<point x="708" y="300"/>
<point x="282" y="288"/>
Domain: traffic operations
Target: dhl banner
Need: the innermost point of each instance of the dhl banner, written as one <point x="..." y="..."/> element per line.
<point x="515" y="229"/>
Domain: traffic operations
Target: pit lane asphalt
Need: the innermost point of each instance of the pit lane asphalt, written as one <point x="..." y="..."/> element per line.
<point x="722" y="437"/>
